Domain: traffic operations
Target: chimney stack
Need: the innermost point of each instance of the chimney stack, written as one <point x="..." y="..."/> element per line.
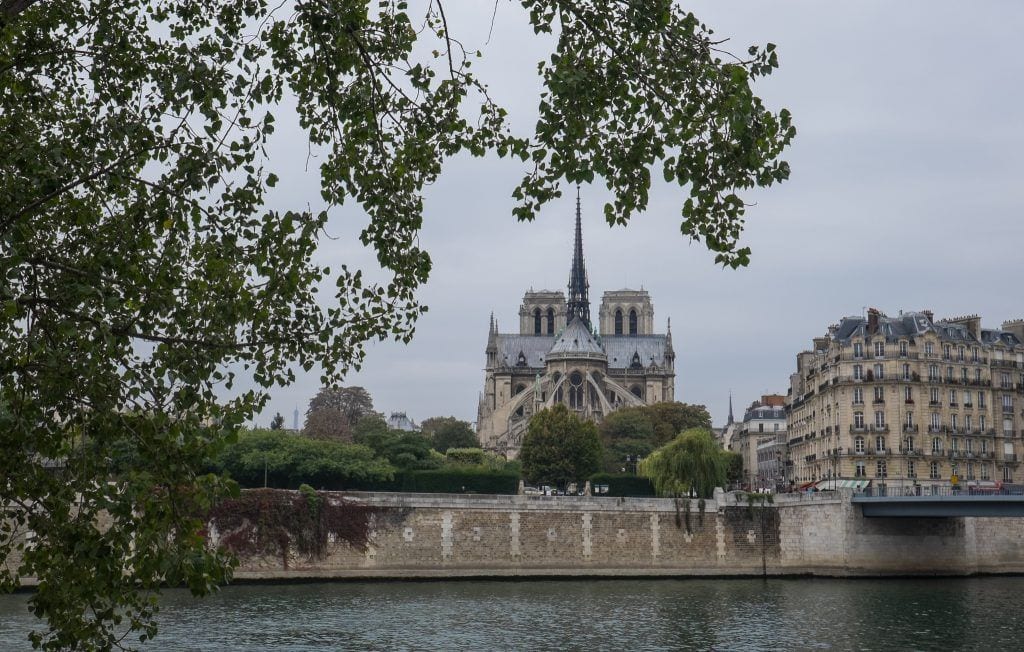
<point x="929" y="314"/>
<point x="873" y="315"/>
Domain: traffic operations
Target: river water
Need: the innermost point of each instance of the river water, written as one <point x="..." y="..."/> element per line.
<point x="690" y="614"/>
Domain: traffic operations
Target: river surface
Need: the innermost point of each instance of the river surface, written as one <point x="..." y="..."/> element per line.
<point x="692" y="614"/>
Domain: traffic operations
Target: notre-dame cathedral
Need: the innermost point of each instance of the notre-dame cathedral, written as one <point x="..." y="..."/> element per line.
<point x="558" y="356"/>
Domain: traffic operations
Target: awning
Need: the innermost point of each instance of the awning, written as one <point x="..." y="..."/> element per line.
<point x="833" y="484"/>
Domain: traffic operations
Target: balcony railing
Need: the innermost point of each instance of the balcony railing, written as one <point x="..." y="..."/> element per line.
<point x="910" y="428"/>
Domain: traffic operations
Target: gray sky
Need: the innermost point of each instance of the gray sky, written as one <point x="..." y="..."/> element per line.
<point x="904" y="195"/>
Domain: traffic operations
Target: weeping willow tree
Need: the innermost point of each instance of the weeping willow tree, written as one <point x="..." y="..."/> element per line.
<point x="690" y="463"/>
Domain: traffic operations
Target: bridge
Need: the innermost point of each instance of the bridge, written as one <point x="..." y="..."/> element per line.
<point x="944" y="502"/>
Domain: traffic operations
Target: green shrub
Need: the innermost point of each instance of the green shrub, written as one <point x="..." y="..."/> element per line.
<point x="623" y="484"/>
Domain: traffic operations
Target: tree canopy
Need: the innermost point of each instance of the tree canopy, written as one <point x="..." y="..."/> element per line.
<point x="637" y="431"/>
<point x="334" y="412"/>
<point x="148" y="292"/>
<point x="452" y="433"/>
<point x="692" y="462"/>
<point x="559" y="448"/>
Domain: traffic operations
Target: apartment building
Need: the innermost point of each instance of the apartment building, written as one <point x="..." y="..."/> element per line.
<point x="908" y="400"/>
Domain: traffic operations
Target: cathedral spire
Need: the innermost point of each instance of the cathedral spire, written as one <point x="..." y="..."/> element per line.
<point x="579" y="304"/>
<point x="731" y="420"/>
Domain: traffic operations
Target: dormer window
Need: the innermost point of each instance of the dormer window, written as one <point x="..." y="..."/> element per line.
<point x="636" y="362"/>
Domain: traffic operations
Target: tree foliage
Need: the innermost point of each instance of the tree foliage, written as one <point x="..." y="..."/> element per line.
<point x="285" y="461"/>
<point x="559" y="448"/>
<point x="334" y="412"/>
<point x="692" y="462"/>
<point x="142" y="274"/>
<point x="277" y="423"/>
<point x="452" y="433"/>
<point x="637" y="431"/>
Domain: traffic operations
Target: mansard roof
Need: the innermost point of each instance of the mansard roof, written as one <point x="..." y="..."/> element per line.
<point x="913" y="324"/>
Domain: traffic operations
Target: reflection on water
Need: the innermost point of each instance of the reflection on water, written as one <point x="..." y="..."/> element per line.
<point x="696" y="614"/>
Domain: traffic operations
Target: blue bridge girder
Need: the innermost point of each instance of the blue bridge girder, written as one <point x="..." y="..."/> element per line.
<point x="945" y="506"/>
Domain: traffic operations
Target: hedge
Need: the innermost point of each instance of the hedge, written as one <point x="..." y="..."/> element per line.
<point x="448" y="481"/>
<point x="622" y="484"/>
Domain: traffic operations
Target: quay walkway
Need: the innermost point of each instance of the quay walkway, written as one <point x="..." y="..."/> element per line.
<point x="941" y="502"/>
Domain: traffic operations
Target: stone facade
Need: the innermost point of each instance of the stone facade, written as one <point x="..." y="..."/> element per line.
<point x="761" y="441"/>
<point x="559" y="357"/>
<point x="909" y="400"/>
<point x="424" y="536"/>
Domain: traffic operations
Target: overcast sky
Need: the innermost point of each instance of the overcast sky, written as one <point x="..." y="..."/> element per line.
<point x="904" y="195"/>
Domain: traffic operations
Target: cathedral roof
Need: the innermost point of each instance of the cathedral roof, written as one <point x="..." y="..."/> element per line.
<point x="623" y="349"/>
<point x="576" y="339"/>
<point x="619" y="349"/>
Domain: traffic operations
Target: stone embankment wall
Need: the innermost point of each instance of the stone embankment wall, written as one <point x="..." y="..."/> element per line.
<point x="435" y="536"/>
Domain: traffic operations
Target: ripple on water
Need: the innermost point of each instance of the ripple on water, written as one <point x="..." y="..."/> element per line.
<point x="697" y="614"/>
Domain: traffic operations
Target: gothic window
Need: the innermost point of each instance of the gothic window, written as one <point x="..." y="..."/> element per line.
<point x="536" y="321"/>
<point x="576" y="390"/>
<point x="632" y="322"/>
<point x="519" y="388"/>
<point x="521" y="360"/>
<point x="618" y="322"/>
<point x="637" y="391"/>
<point x="635" y="364"/>
<point x="551" y="321"/>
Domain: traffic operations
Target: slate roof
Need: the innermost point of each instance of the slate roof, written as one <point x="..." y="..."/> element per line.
<point x="911" y="324"/>
<point x="576" y="338"/>
<point x="620" y="349"/>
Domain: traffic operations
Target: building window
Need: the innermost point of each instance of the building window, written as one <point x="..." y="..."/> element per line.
<point x="974" y="354"/>
<point x="967" y="399"/>
<point x="880" y="471"/>
<point x="879" y="372"/>
<point x="858" y="372"/>
<point x="963" y="375"/>
<point x="928" y="348"/>
<point x="879" y="395"/>
<point x="933" y="395"/>
<point x="1007" y="403"/>
<point x="860" y="470"/>
<point x="981" y="399"/>
<point x="984" y="445"/>
<point x="911" y="470"/>
<point x="960" y="354"/>
<point x="1004" y="381"/>
<point x="936" y="445"/>
<point x="858" y="445"/>
<point x="952" y="398"/>
<point x="949" y="374"/>
<point x="858" y="396"/>
<point x="760" y="427"/>
<point x="936" y="421"/>
<point x="1007" y="474"/>
<point x="576" y="390"/>
<point x="981" y="421"/>
<point x="910" y="420"/>
<point x="618" y="322"/>
<point x="956" y="444"/>
<point x="908" y="395"/>
<point x="945" y="352"/>
<point x="933" y="470"/>
<point x="967" y="421"/>
<point x="858" y="350"/>
<point x="879" y="419"/>
<point x="637" y="391"/>
<point x="970" y="444"/>
<point x="632" y="322"/>
<point x="952" y="421"/>
<point x="536" y="322"/>
<point x="858" y="420"/>
<point x="551" y="321"/>
<point x="879" y="349"/>
<point x="970" y="470"/>
<point x="906" y="371"/>
<point x="903" y="349"/>
<point x="908" y="444"/>
<point x="879" y="444"/>
<point x="933" y="372"/>
<point x="977" y="375"/>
